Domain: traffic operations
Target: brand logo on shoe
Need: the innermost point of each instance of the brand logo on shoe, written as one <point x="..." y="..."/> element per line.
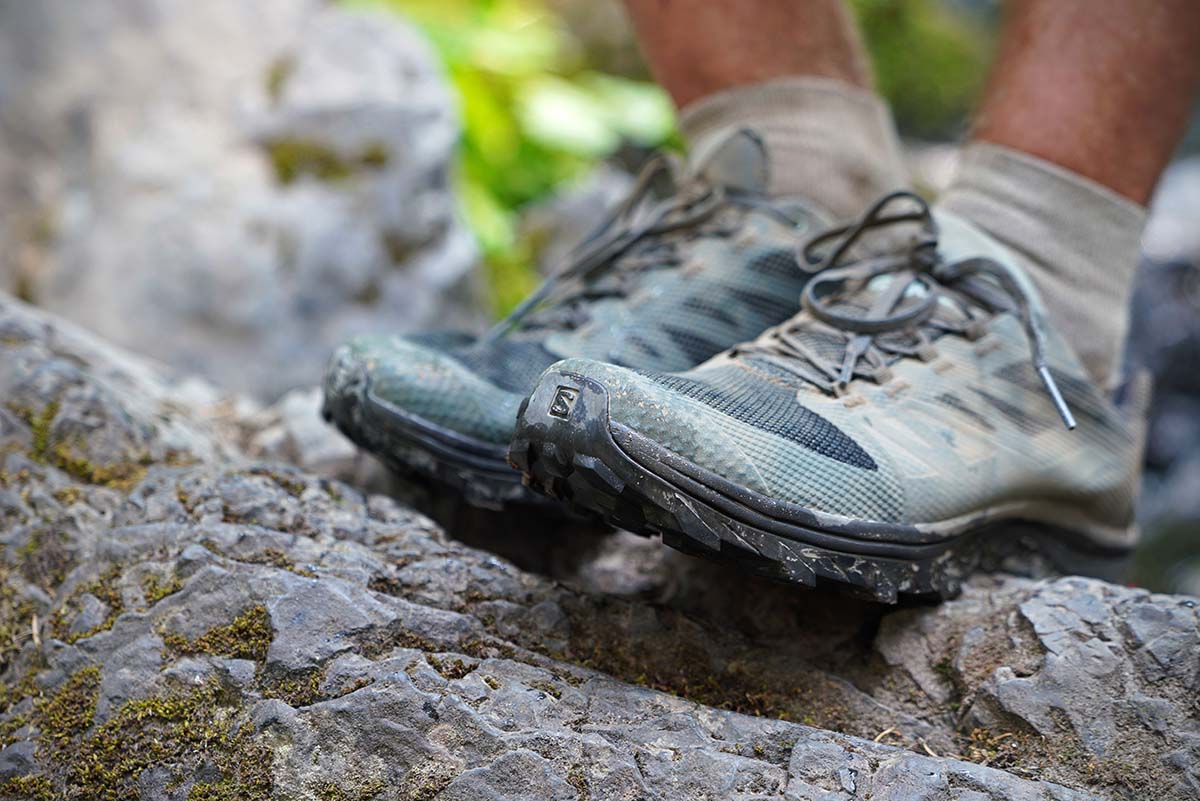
<point x="564" y="402"/>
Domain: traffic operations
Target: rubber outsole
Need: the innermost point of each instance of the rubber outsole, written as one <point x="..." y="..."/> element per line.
<point x="566" y="446"/>
<point x="412" y="447"/>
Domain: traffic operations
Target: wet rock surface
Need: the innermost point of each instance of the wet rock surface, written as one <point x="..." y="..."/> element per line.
<point x="178" y="621"/>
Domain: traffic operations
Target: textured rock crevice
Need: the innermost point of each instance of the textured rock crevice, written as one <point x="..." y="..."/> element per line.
<point x="199" y="625"/>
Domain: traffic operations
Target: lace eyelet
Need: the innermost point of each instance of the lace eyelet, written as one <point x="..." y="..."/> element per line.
<point x="975" y="330"/>
<point x="926" y="352"/>
<point x="852" y="400"/>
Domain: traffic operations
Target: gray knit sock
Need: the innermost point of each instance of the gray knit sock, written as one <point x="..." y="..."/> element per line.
<point x="826" y="141"/>
<point x="1079" y="242"/>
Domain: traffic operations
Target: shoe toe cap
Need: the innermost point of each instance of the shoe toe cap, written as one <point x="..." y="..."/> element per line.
<point x="638" y="404"/>
<point x="418" y="380"/>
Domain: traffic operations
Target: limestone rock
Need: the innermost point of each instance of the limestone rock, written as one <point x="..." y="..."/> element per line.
<point x="179" y="621"/>
<point x="232" y="186"/>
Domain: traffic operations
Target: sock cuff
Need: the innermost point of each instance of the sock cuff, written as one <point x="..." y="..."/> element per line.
<point x="1042" y="187"/>
<point x="1079" y="241"/>
<point x="826" y="139"/>
<point x="785" y="97"/>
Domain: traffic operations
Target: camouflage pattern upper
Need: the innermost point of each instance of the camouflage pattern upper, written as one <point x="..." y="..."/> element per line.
<point x="908" y="426"/>
<point x="663" y="285"/>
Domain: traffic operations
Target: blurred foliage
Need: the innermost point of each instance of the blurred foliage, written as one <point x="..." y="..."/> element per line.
<point x="930" y="60"/>
<point x="538" y="111"/>
<point x="536" y="115"/>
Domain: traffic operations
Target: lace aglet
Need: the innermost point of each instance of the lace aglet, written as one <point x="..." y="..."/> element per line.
<point x="1063" y="410"/>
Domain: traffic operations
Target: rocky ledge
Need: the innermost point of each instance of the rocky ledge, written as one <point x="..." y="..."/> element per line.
<point x="179" y="622"/>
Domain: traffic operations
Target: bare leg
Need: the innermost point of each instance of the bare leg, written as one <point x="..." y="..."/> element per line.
<point x="1101" y="87"/>
<point x="696" y="49"/>
<point x="1086" y="102"/>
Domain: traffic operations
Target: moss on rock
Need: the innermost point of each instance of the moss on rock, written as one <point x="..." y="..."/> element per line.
<point x="182" y="732"/>
<point x="248" y="636"/>
<point x="105" y="589"/>
<point x="28" y="788"/>
<point x="48" y="447"/>
<point x="293" y="158"/>
<point x="70" y="711"/>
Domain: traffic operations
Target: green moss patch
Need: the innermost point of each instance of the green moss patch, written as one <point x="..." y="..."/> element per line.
<point x="28" y="788"/>
<point x="181" y="732"/>
<point x="40" y="425"/>
<point x="122" y="476"/>
<point x="247" y="637"/>
<point x="364" y="792"/>
<point x="293" y="158"/>
<point x="70" y="711"/>
<point x="48" y="448"/>
<point x="298" y="690"/>
<point x="450" y="669"/>
<point x="275" y="558"/>
<point x="155" y="588"/>
<point x="105" y="588"/>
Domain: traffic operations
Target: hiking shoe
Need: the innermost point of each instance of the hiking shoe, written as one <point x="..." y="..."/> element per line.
<point x="662" y="285"/>
<point x="911" y="424"/>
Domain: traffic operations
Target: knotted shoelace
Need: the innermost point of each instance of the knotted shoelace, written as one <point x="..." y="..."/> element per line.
<point x="902" y="318"/>
<point x="639" y="235"/>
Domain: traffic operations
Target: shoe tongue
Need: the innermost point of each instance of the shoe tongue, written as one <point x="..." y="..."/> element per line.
<point x="734" y="159"/>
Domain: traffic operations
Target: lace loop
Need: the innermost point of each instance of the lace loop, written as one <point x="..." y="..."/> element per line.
<point x="919" y="285"/>
<point x="610" y="248"/>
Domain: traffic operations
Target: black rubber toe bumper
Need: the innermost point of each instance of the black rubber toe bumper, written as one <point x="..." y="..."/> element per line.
<point x="567" y="447"/>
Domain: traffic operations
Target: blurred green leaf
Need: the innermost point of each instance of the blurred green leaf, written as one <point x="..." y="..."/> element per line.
<point x="929" y="61"/>
<point x="638" y="111"/>
<point x="534" y="118"/>
<point x="566" y="116"/>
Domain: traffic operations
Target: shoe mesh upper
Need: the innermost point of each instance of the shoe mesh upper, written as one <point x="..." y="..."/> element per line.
<point x="726" y="290"/>
<point x="767" y="406"/>
<point x="958" y="427"/>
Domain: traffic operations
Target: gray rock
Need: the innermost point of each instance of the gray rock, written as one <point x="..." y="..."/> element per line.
<point x="232" y="186"/>
<point x="292" y="430"/>
<point x="1165" y="341"/>
<point x="17" y="759"/>
<point x="275" y="634"/>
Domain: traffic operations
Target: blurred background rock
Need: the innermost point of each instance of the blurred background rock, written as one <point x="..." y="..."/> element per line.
<point x="230" y="186"/>
<point x="234" y="186"/>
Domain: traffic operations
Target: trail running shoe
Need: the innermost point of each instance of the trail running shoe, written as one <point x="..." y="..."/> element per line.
<point x="662" y="285"/>
<point x="911" y="424"/>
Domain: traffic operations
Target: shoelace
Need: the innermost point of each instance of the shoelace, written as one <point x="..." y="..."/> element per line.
<point x="872" y="335"/>
<point x="610" y="249"/>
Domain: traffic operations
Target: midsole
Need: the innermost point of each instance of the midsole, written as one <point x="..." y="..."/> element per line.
<point x="837" y="533"/>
